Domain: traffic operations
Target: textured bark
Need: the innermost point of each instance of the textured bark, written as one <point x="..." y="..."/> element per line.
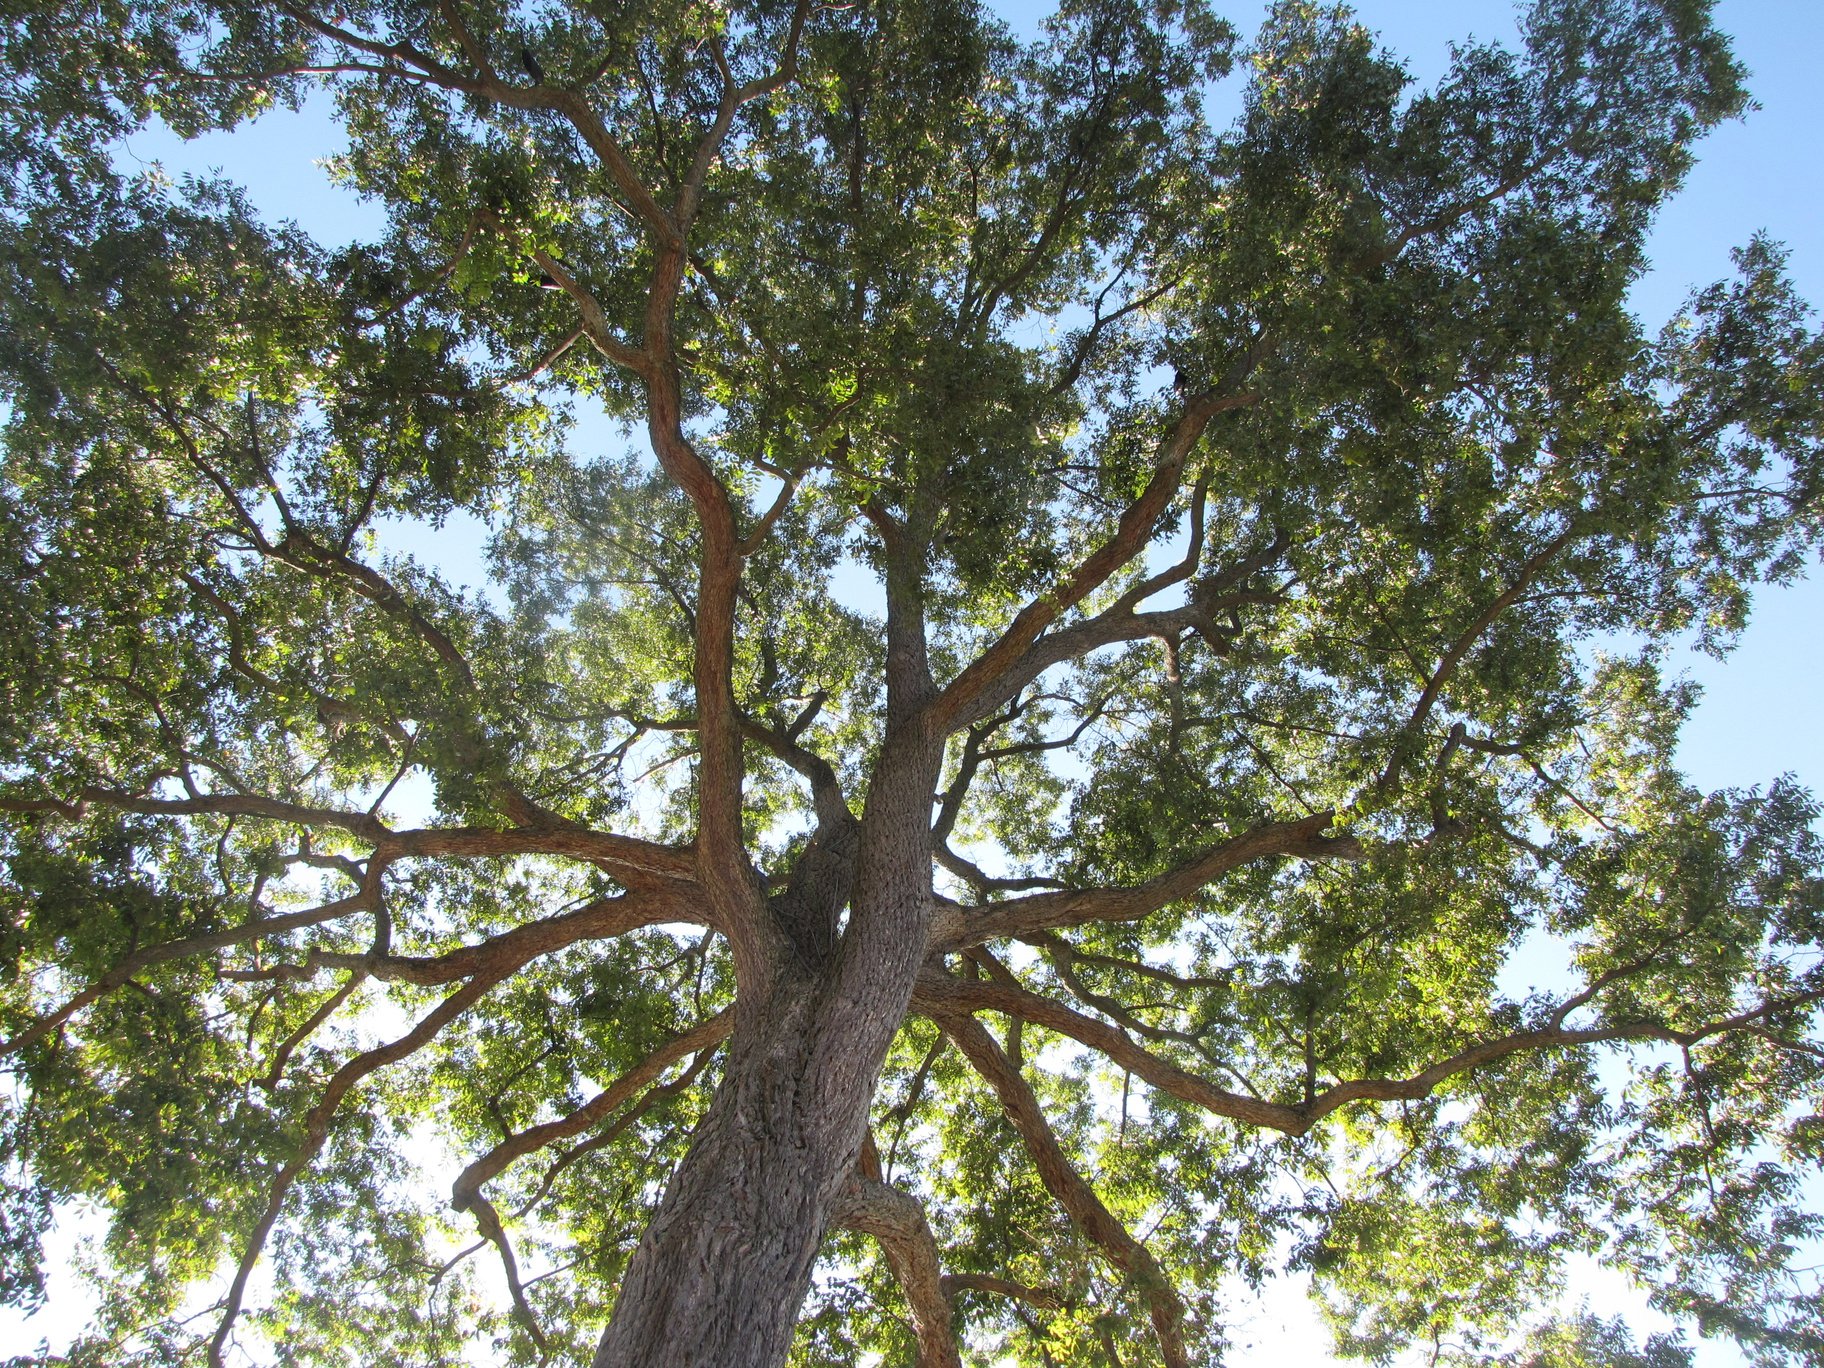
<point x="897" y="1221"/>
<point x="719" y="1276"/>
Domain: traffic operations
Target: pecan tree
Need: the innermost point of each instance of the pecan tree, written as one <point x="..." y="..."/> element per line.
<point x="1023" y="791"/>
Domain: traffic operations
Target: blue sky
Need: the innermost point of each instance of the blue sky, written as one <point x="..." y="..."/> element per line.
<point x="1761" y="173"/>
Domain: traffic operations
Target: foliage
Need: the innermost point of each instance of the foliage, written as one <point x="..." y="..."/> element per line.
<point x="1280" y="529"/>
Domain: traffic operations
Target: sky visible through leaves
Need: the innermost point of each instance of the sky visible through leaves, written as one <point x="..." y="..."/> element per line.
<point x="1757" y="718"/>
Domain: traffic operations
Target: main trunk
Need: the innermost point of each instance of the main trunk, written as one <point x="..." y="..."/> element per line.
<point x="719" y="1276"/>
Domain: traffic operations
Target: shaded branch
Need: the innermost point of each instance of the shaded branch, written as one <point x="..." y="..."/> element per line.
<point x="972" y="692"/>
<point x="316" y="1132"/>
<point x="599" y="920"/>
<point x="269" y="1080"/>
<point x="143" y="959"/>
<point x="943" y="997"/>
<point x="1460" y="647"/>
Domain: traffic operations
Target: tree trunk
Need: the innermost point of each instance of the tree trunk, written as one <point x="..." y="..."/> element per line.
<point x="718" y="1278"/>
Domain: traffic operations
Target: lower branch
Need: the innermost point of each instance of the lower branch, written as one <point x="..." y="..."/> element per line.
<point x="598" y="920"/>
<point x="1072" y="1192"/>
<point x="489" y="1221"/>
<point x="944" y="997"/>
<point x="325" y="1010"/>
<point x="1553" y="1037"/>
<point x="190" y="945"/>
<point x="897" y="1220"/>
<point x="1045" y="1298"/>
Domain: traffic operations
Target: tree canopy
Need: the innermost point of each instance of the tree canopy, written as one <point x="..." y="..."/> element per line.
<point x="1011" y="802"/>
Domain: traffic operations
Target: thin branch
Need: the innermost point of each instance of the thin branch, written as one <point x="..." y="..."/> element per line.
<point x="1062" y="956"/>
<point x="944" y="997"/>
<point x="613" y="1131"/>
<point x="967" y="695"/>
<point x="144" y="958"/>
<point x="410" y="63"/>
<point x="1459" y="648"/>
<point x="700" y="1037"/>
<point x="316" y="1132"/>
<point x="957" y="929"/>
<point x="601" y="919"/>
<point x="550" y="358"/>
<point x="487" y="1220"/>
<point x="596" y="326"/>
<point x="914" y="1091"/>
<point x="756" y="538"/>
<point x="325" y="1010"/>
<point x="1551" y="1037"/>
<point x="1045" y="940"/>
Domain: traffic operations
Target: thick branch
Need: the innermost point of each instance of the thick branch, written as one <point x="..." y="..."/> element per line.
<point x="607" y="1135"/>
<point x="1071" y="1191"/>
<point x="897" y="1220"/>
<point x="1045" y="1298"/>
<point x="1062" y="956"/>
